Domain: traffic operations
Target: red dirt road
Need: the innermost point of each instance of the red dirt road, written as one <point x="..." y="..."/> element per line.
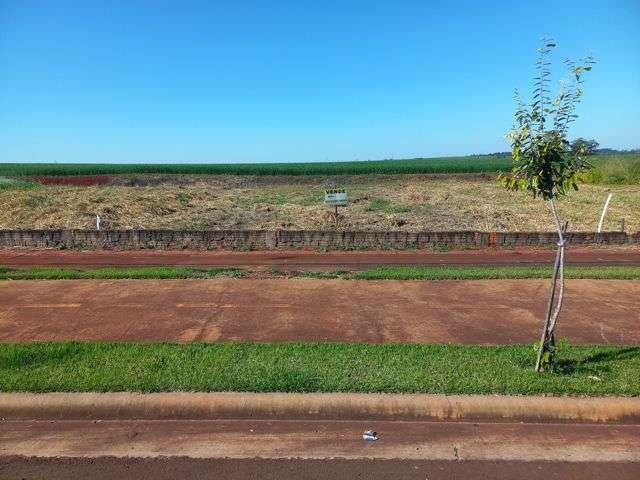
<point x="171" y="468"/>
<point x="272" y="310"/>
<point x="244" y="449"/>
<point x="322" y="439"/>
<point x="292" y="259"/>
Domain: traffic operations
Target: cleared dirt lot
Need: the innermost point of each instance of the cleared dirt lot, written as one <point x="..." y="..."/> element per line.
<point x="225" y="309"/>
<point x="385" y="202"/>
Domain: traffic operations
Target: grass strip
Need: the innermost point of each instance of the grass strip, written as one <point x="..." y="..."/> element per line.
<point x="60" y="273"/>
<point x="443" y="272"/>
<point x="315" y="367"/>
<point x="463" y="272"/>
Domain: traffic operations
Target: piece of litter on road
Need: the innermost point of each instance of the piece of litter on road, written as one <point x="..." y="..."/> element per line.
<point x="370" y="435"/>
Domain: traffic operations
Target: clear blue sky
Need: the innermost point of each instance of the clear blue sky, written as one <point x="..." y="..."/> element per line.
<point x="213" y="81"/>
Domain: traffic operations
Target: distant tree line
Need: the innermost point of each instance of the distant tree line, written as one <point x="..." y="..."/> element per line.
<point x="613" y="151"/>
<point x="579" y="146"/>
<point x="582" y="146"/>
<point x="591" y="147"/>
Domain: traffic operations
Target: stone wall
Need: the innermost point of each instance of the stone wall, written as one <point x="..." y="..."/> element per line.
<point x="263" y="239"/>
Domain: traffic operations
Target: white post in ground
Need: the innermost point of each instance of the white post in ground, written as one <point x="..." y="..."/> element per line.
<point x="604" y="212"/>
<point x="97" y="222"/>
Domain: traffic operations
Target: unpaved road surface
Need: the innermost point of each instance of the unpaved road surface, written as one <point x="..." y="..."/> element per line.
<point x="309" y="259"/>
<point x="172" y="468"/>
<point x="234" y="449"/>
<point x="300" y="309"/>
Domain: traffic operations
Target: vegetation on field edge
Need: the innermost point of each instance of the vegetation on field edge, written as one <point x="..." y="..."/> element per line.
<point x="15" y="183"/>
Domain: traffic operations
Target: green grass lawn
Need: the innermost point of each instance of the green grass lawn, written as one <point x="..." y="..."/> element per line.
<point x="445" y="272"/>
<point x="315" y="367"/>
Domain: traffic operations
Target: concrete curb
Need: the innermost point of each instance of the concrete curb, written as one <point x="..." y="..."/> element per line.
<point x="311" y="406"/>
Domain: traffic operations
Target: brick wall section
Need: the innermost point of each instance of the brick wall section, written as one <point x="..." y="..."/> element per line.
<point x="264" y="239"/>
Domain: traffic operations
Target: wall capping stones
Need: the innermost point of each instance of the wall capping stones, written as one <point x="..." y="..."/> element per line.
<point x="270" y="239"/>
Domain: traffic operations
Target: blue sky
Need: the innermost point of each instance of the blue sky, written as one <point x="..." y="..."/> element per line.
<point x="207" y="81"/>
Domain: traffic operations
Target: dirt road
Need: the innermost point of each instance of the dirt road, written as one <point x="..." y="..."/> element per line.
<point x="171" y="468"/>
<point x="234" y="449"/>
<point x="292" y="259"/>
<point x="266" y="310"/>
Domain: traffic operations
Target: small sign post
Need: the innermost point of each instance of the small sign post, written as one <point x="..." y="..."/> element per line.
<point x="336" y="198"/>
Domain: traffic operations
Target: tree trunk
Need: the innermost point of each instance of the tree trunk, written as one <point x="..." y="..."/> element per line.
<point x="547" y="340"/>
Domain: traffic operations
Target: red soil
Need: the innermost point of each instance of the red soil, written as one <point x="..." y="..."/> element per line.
<point x="79" y="180"/>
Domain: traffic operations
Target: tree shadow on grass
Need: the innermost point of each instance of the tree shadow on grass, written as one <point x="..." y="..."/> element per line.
<point x="601" y="362"/>
<point x="18" y="357"/>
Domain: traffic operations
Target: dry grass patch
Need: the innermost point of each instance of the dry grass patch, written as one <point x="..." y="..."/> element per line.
<point x="400" y="202"/>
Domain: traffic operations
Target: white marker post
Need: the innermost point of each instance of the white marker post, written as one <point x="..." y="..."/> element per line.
<point x="604" y="212"/>
<point x="97" y="222"/>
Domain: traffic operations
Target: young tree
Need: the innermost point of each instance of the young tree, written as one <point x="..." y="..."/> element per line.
<point x="545" y="166"/>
